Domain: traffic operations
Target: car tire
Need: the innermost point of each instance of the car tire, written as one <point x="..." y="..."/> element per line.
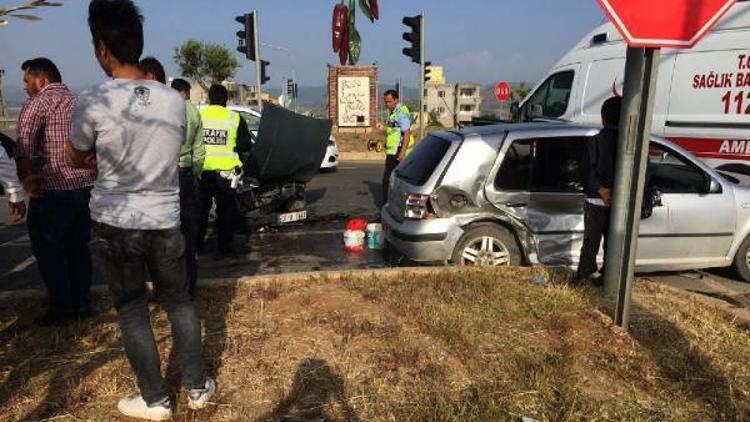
<point x="742" y="260"/>
<point x="487" y="244"/>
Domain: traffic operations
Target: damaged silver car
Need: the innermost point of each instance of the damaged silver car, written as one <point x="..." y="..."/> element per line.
<point x="512" y="195"/>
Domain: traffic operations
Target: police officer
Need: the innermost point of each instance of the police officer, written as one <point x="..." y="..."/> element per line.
<point x="225" y="136"/>
<point x="397" y="129"/>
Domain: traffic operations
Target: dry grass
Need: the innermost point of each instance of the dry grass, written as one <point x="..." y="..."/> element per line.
<point x="453" y="345"/>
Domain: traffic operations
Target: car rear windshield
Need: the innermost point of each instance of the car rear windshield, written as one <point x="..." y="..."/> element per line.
<point x="417" y="168"/>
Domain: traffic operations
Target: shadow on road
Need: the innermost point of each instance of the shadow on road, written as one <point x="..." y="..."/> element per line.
<point x="679" y="362"/>
<point x="376" y="193"/>
<point x="315" y="195"/>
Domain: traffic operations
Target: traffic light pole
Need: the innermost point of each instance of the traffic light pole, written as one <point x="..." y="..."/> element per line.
<point x="258" y="63"/>
<point x="421" y="80"/>
<point x="641" y="70"/>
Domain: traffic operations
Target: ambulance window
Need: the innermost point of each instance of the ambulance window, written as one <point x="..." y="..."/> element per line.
<point x="551" y="99"/>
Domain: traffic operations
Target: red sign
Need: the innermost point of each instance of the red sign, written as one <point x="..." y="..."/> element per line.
<point x="502" y="91"/>
<point x="662" y="23"/>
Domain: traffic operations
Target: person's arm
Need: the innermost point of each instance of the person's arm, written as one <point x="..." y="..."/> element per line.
<point x="199" y="148"/>
<point x="30" y="125"/>
<point x="244" y="140"/>
<point x="12" y="187"/>
<point x="605" y="166"/>
<point x="591" y="167"/>
<point x="404" y="124"/>
<point x="79" y="149"/>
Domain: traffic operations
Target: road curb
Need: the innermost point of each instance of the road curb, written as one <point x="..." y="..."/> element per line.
<point x="361" y="156"/>
<point x="264" y="279"/>
<point x="742" y="315"/>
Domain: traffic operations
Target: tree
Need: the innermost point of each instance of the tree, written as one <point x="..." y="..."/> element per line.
<point x="29" y="5"/>
<point x="434" y="119"/>
<point x="205" y="63"/>
<point x="521" y="91"/>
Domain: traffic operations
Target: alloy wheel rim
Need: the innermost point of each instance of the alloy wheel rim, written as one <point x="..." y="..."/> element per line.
<point x="487" y="251"/>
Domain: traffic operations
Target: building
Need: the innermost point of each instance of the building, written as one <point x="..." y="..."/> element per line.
<point x="239" y="94"/>
<point x="436" y="74"/>
<point x="453" y="104"/>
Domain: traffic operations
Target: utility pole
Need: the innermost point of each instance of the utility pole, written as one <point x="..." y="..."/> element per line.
<point x="421" y="79"/>
<point x="2" y="98"/>
<point x="641" y="70"/>
<point x="249" y="44"/>
<point x="258" y="64"/>
<point x="416" y="52"/>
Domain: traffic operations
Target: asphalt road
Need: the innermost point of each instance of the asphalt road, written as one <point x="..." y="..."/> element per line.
<point x="316" y="245"/>
<point x="354" y="189"/>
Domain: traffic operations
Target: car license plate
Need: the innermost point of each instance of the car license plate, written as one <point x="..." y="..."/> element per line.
<point x="291" y="217"/>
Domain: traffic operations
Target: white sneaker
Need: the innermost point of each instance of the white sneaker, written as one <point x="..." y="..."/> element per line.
<point x="136" y="407"/>
<point x="198" y="397"/>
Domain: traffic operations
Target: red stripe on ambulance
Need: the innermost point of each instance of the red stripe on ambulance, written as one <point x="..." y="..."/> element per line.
<point x="727" y="149"/>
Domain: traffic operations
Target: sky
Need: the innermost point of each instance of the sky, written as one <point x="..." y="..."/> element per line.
<point x="475" y="40"/>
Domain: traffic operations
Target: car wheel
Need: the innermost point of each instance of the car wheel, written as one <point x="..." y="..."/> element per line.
<point x="742" y="260"/>
<point x="487" y="245"/>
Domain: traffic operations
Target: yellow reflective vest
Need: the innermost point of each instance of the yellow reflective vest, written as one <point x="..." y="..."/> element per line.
<point x="220" y="138"/>
<point x="393" y="132"/>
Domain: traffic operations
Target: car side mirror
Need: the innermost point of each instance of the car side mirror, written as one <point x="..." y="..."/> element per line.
<point x="714" y="186"/>
<point x="651" y="200"/>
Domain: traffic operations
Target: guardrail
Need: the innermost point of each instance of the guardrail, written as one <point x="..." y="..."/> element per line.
<point x="6" y="122"/>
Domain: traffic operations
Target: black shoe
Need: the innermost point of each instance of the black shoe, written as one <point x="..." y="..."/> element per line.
<point x="48" y="320"/>
<point x="597" y="281"/>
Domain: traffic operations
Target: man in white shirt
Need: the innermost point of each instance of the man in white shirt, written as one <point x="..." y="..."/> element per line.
<point x="132" y="130"/>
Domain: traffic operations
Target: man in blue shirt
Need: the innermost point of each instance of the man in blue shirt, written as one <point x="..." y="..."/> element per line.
<point x="397" y="129"/>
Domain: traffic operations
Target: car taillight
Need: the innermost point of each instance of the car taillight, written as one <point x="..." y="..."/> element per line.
<point x="417" y="206"/>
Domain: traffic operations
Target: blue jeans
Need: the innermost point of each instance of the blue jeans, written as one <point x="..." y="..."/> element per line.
<point x="123" y="256"/>
<point x="59" y="225"/>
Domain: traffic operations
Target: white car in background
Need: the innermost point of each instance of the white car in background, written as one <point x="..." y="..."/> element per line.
<point x="252" y="117"/>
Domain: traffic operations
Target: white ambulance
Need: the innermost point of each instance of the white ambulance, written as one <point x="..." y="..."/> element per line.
<point x="702" y="96"/>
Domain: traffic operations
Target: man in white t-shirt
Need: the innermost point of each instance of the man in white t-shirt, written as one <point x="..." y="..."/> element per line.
<point x="131" y="130"/>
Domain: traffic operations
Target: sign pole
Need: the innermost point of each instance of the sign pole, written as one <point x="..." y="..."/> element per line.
<point x="258" y="63"/>
<point x="641" y="71"/>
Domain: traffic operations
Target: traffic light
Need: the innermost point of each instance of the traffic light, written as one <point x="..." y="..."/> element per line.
<point x="290" y="88"/>
<point x="263" y="74"/>
<point x="414" y="37"/>
<point x="246" y="36"/>
<point x="427" y="71"/>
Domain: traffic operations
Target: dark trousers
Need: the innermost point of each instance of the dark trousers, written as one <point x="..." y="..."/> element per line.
<point x="213" y="186"/>
<point x="59" y="225"/>
<point x="189" y="225"/>
<point x="123" y="256"/>
<point x="391" y="162"/>
<point x="596" y="226"/>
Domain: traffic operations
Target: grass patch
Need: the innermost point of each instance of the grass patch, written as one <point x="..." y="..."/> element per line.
<point x="449" y="345"/>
